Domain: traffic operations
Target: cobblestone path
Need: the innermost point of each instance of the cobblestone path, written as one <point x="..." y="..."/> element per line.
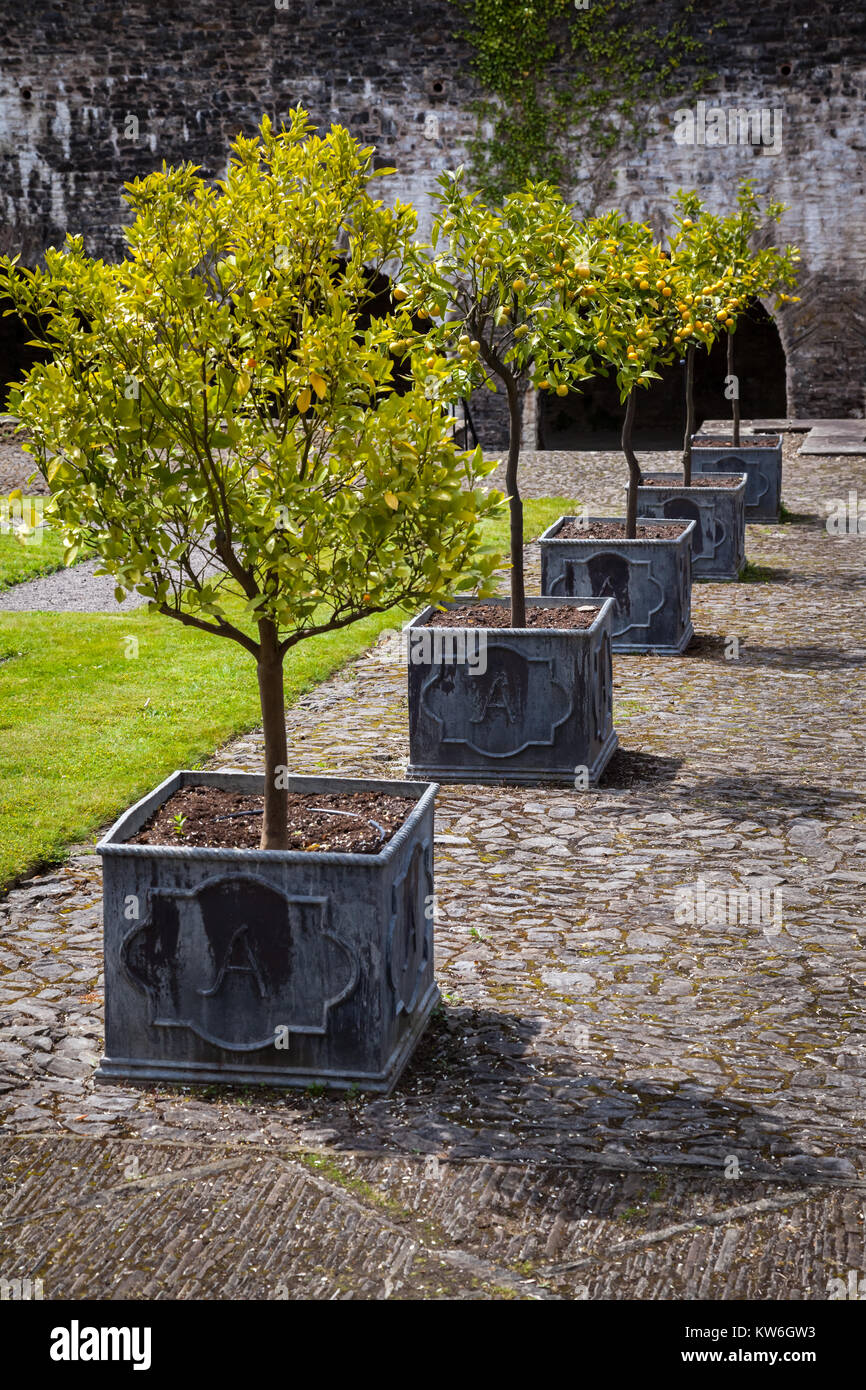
<point x="609" y="1084"/>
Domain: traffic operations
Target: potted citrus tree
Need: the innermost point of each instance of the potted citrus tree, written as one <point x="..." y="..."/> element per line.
<point x="748" y="274"/>
<point x="643" y="564"/>
<point x="715" y="502"/>
<point x="509" y="298"/>
<point x="219" y="427"/>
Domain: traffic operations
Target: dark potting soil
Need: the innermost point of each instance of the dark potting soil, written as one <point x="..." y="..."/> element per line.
<point x="698" y="480"/>
<point x="217" y="819"/>
<point x="752" y="441"/>
<point x="614" y="531"/>
<point x="562" y="615"/>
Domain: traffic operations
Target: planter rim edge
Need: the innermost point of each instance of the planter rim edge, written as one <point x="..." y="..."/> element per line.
<point x="551" y="538"/>
<point x="111" y="846"/>
<point x="690" y="487"/>
<point x="604" y="605"/>
<point x="767" y="441"/>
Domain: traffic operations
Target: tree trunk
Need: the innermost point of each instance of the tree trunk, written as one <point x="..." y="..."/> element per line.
<point x="634" y="473"/>
<point x="735" y="400"/>
<point x="518" y="588"/>
<point x="275" y="833"/>
<point x="690" y="415"/>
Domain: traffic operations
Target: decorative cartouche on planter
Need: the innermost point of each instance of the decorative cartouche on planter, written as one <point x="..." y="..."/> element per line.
<point x="514" y="705"/>
<point x="758" y="456"/>
<point x="649" y="580"/>
<point x="718" y="509"/>
<point x="283" y="968"/>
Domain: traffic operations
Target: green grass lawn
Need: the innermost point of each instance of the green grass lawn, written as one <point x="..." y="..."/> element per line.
<point x="20" y="560"/>
<point x="85" y="729"/>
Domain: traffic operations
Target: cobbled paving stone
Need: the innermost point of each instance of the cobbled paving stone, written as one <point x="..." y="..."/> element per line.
<point x="589" y="1027"/>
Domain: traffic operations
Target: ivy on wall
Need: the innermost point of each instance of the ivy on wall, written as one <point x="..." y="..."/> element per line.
<point x="563" y="86"/>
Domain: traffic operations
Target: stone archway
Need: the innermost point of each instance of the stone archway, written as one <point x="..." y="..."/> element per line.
<point x="824" y="336"/>
<point x="16" y="357"/>
<point x="592" y="418"/>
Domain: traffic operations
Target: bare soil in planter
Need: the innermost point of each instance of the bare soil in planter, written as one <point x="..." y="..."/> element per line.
<point x="715" y="441"/>
<point x="698" y="480"/>
<point x="496" y="615"/>
<point x="350" y="823"/>
<point x="614" y="531"/>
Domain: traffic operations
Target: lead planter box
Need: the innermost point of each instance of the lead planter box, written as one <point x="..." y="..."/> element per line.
<point x="649" y="581"/>
<point x="761" y="463"/>
<point x="514" y="705"/>
<point x="719" y="514"/>
<point x="281" y="968"/>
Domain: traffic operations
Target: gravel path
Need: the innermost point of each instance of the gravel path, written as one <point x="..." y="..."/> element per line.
<point x="78" y="589"/>
<point x="16" y="466"/>
<point x="592" y="1045"/>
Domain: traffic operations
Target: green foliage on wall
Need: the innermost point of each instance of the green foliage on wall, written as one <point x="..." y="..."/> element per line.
<point x="564" y="86"/>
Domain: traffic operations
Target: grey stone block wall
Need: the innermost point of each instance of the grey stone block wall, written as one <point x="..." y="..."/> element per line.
<point x="193" y="75"/>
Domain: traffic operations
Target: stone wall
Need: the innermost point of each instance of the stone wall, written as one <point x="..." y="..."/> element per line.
<point x="92" y="94"/>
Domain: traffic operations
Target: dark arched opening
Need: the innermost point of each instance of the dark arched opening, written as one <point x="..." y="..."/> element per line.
<point x="592" y="419"/>
<point x="16" y="356"/>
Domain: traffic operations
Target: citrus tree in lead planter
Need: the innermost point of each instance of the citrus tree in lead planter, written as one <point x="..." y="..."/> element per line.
<point x="748" y="274"/>
<point x="643" y="565"/>
<point x="219" y="424"/>
<point x="512" y="690"/>
<point x="715" y="502"/>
